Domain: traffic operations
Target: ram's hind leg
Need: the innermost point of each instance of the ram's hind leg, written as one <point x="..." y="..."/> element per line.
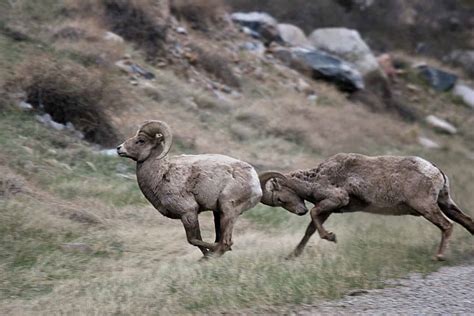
<point x="433" y="213"/>
<point x="227" y="222"/>
<point x="193" y="233"/>
<point x="217" y="225"/>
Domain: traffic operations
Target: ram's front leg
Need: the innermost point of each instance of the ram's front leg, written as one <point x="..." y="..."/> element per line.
<point x="193" y="233"/>
<point x="321" y="212"/>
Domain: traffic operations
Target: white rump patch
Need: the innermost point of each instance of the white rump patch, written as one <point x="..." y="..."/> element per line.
<point x="427" y="168"/>
<point x="255" y="187"/>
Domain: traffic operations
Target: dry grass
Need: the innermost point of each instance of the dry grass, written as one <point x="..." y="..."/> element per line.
<point x="143" y="22"/>
<point x="85" y="40"/>
<point x="141" y="263"/>
<point x="216" y="65"/>
<point x="200" y="14"/>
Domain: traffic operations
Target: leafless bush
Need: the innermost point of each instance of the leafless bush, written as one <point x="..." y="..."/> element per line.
<point x="72" y="93"/>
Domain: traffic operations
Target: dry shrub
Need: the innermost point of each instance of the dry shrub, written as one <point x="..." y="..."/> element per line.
<point x="216" y="65"/>
<point x="85" y="40"/>
<point x="201" y="14"/>
<point x="143" y="22"/>
<point x="137" y="21"/>
<point x="10" y="186"/>
<point x="72" y="93"/>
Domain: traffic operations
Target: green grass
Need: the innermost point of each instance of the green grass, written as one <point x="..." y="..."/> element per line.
<point x="63" y="164"/>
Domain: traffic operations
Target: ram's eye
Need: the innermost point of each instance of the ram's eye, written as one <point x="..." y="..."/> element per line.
<point x="140" y="141"/>
<point x="279" y="200"/>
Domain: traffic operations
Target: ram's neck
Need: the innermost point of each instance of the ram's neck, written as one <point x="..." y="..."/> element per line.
<point x="308" y="184"/>
<point x="150" y="175"/>
<point x="307" y="175"/>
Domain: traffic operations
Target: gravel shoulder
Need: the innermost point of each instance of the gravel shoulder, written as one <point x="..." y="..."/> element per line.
<point x="448" y="291"/>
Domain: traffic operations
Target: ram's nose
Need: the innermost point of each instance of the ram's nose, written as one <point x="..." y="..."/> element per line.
<point x="302" y="211"/>
<point x="120" y="150"/>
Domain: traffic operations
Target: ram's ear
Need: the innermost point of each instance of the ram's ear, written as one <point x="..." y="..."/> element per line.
<point x="159" y="137"/>
<point x="275" y="185"/>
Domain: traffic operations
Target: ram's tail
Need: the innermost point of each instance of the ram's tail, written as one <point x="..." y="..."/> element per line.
<point x="451" y="210"/>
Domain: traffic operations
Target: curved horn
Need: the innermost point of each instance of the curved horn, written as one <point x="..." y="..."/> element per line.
<point x="154" y="129"/>
<point x="264" y="177"/>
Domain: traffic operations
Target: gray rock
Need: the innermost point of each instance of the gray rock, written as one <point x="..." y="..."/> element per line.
<point x="111" y="36"/>
<point x="441" y="125"/>
<point x="438" y="79"/>
<point x="313" y="98"/>
<point x="47" y="120"/>
<point x="330" y="68"/>
<point x="428" y="143"/>
<point x="347" y="45"/>
<point x="253" y="20"/>
<point x="254" y="47"/>
<point x="25" y="106"/>
<point x="181" y="30"/>
<point x="465" y="93"/>
<point x="293" y="35"/>
<point x="132" y="68"/>
<point x="259" y="25"/>
<point x="70" y="127"/>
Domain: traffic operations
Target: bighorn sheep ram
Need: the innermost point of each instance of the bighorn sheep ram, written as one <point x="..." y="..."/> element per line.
<point x="388" y="185"/>
<point x="181" y="187"/>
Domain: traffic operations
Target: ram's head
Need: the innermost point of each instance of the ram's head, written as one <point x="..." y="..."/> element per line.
<point x="278" y="190"/>
<point x="153" y="139"/>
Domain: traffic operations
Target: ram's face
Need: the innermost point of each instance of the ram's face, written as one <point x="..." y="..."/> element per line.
<point x="138" y="148"/>
<point x="283" y="196"/>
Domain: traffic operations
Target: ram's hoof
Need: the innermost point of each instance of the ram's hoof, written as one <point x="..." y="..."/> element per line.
<point x="292" y="255"/>
<point x="439" y="258"/>
<point x="330" y="237"/>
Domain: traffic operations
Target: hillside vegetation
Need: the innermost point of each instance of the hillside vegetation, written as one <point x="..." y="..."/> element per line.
<point x="78" y="237"/>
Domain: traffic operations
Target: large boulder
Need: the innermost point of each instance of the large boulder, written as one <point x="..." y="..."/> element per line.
<point x="259" y="25"/>
<point x="293" y="35"/>
<point x="438" y="79"/>
<point x="347" y="45"/>
<point x="321" y="65"/>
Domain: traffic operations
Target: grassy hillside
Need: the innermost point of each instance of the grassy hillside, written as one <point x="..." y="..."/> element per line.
<point x="77" y="236"/>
